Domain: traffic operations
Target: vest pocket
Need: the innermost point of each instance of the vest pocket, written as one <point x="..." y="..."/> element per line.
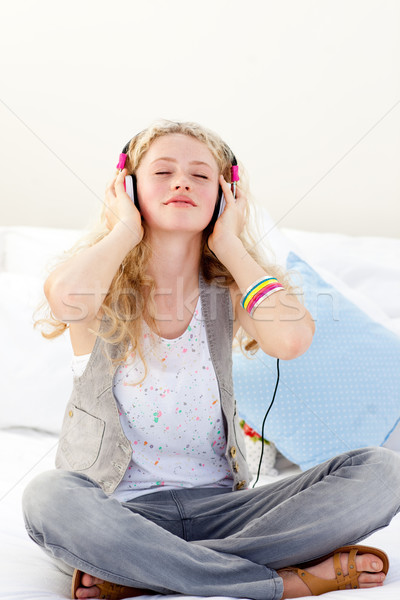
<point x="81" y="440"/>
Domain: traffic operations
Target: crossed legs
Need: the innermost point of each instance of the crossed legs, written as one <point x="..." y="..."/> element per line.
<point x="216" y="542"/>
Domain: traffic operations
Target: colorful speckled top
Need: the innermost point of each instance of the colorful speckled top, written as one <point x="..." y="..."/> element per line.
<point x="92" y="439"/>
<point x="173" y="418"/>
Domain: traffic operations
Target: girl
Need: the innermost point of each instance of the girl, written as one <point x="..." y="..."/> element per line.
<point x="151" y="490"/>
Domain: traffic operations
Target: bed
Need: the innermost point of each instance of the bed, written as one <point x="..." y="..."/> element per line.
<point x="37" y="381"/>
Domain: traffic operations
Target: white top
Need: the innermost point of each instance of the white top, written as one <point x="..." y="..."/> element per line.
<point x="173" y="418"/>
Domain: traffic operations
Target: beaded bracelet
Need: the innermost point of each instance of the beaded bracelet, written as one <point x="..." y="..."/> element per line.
<point x="258" y="291"/>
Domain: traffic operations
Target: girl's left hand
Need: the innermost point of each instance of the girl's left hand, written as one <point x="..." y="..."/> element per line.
<point x="232" y="220"/>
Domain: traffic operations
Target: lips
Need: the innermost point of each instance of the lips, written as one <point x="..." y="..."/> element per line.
<point x="181" y="200"/>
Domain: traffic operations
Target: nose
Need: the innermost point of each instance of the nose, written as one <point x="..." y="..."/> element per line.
<point x="180" y="181"/>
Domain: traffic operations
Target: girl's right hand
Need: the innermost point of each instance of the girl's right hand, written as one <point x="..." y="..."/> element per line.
<point x="120" y="208"/>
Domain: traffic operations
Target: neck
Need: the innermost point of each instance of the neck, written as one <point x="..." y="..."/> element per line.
<point x="175" y="262"/>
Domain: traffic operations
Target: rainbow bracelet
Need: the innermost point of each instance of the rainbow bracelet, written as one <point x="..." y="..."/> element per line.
<point x="256" y="287"/>
<point x="258" y="291"/>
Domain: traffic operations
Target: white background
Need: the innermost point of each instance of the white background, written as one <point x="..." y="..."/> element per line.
<point x="306" y="93"/>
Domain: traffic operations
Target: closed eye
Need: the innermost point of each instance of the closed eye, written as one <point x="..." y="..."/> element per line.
<point x="194" y="174"/>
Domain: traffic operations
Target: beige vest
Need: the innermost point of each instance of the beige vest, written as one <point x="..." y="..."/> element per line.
<point x="92" y="440"/>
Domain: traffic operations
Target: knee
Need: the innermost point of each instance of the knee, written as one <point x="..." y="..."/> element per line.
<point x="49" y="494"/>
<point x="382" y="467"/>
<point x="41" y="494"/>
<point x="390" y="462"/>
<point x="52" y="500"/>
<point x="384" y="461"/>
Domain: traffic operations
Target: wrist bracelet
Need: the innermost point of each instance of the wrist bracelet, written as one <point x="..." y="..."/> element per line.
<point x="258" y="291"/>
<point x="256" y="287"/>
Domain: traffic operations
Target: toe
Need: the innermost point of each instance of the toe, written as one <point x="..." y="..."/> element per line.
<point x="89" y="588"/>
<point x="89" y="580"/>
<point x="371" y="578"/>
<point x="88" y="592"/>
<point x="369" y="563"/>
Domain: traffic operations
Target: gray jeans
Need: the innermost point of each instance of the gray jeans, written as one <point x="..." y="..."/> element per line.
<point x="211" y="541"/>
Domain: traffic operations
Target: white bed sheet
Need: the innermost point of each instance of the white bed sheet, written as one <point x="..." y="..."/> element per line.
<point x="26" y="573"/>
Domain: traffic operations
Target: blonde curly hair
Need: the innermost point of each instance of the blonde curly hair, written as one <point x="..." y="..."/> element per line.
<point x="124" y="312"/>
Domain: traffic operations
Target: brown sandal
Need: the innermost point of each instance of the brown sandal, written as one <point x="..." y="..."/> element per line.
<point x="108" y="591"/>
<point x="318" y="586"/>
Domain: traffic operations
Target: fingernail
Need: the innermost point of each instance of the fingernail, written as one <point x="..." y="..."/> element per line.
<point x="375" y="565"/>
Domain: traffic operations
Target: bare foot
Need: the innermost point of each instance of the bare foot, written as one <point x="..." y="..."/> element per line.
<point x="371" y="576"/>
<point x="90" y="590"/>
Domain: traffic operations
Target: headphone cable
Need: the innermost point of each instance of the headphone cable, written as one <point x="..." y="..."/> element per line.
<point x="263" y="423"/>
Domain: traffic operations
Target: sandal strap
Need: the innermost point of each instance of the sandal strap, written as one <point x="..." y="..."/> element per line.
<point x="318" y="585"/>
<point x="108" y="590"/>
<point x="351" y="565"/>
<point x="337" y="565"/>
<point x="114" y="591"/>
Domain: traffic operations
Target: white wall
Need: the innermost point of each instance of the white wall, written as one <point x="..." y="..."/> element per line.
<point x="307" y="94"/>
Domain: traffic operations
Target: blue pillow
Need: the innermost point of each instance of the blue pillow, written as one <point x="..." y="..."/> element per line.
<point x="343" y="393"/>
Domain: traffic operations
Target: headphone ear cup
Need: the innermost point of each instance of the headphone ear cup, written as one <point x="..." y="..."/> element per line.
<point x="217" y="209"/>
<point x="222" y="204"/>
<point x="135" y="194"/>
<point x="131" y="189"/>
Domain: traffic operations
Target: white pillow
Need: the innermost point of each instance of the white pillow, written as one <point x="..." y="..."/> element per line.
<point x="32" y="249"/>
<point x="311" y="246"/>
<point x="37" y="378"/>
<point x="369" y="265"/>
